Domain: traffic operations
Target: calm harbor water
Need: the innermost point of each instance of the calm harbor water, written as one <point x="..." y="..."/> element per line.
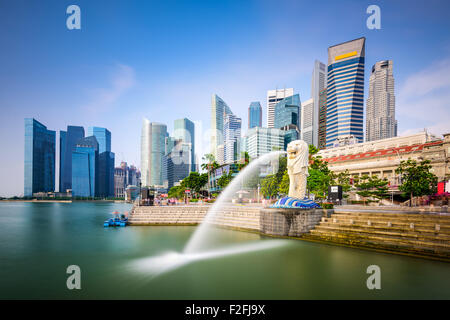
<point x="39" y="240"/>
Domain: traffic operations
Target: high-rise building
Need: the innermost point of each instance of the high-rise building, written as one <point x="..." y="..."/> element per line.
<point x="254" y="115"/>
<point x="345" y="90"/>
<point x="178" y="162"/>
<point x="219" y="109"/>
<point x="153" y="149"/>
<point x="220" y="154"/>
<point x="322" y="143"/>
<point x="106" y="158"/>
<point x="273" y="97"/>
<point x="288" y="118"/>
<point x="232" y="134"/>
<point x="307" y="127"/>
<point x="103" y="136"/>
<point x="39" y="158"/>
<point x="125" y="176"/>
<point x="184" y="129"/>
<point x="67" y="143"/>
<point x="380" y="105"/>
<point x="85" y="168"/>
<point x="318" y="83"/>
<point x="259" y="141"/>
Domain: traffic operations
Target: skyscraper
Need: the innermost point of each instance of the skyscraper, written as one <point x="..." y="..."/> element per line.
<point x="380" y="105"/>
<point x="259" y="141"/>
<point x="232" y="133"/>
<point x="106" y="158"/>
<point x="318" y="83"/>
<point x="103" y="138"/>
<point x="85" y="168"/>
<point x="184" y="129"/>
<point x="345" y="90"/>
<point x="254" y="115"/>
<point x="67" y="143"/>
<point x="153" y="149"/>
<point x="178" y="166"/>
<point x="307" y="128"/>
<point x="273" y="97"/>
<point x="322" y="119"/>
<point x="39" y="158"/>
<point x="288" y="118"/>
<point x="219" y="109"/>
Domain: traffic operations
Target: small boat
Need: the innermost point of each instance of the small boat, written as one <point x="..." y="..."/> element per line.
<point x="117" y="221"/>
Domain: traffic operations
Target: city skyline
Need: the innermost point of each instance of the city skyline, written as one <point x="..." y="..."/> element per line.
<point x="114" y="97"/>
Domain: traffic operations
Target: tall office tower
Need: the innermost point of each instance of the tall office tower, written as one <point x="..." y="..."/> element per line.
<point x="322" y="119"/>
<point x="254" y="115"/>
<point x="219" y="109"/>
<point x="318" y="83"/>
<point x="220" y="154"/>
<point x="184" y="129"/>
<point x="153" y="147"/>
<point x="178" y="162"/>
<point x="232" y="133"/>
<point x="345" y="90"/>
<point x="380" y="105"/>
<point x="39" y="164"/>
<point x="106" y="158"/>
<point x="288" y="118"/>
<point x="273" y="97"/>
<point x="85" y="168"/>
<point x="103" y="138"/>
<point x="67" y="143"/>
<point x="259" y="141"/>
<point x="307" y="127"/>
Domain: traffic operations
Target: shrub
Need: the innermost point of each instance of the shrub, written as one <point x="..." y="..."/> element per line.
<point x="327" y="205"/>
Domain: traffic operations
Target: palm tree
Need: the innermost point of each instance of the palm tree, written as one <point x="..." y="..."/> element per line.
<point x="209" y="165"/>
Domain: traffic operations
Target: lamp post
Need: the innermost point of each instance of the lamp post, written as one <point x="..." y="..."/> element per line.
<point x="139" y="197"/>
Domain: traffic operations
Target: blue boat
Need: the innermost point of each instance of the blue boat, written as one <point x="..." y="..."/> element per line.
<point x="116" y="221"/>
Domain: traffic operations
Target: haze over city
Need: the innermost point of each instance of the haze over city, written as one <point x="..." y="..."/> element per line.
<point x="164" y="64"/>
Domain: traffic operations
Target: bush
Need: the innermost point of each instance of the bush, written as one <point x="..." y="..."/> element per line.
<point x="327" y="205"/>
<point x="193" y="200"/>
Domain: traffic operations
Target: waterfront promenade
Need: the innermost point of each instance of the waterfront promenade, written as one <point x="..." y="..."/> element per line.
<point x="416" y="231"/>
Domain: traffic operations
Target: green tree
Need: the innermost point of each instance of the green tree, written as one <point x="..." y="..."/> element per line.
<point x="176" y="192"/>
<point x="371" y="186"/>
<point x="320" y="177"/>
<point x="269" y="186"/>
<point x="195" y="181"/>
<point x="284" y="184"/>
<point x="342" y="179"/>
<point x="245" y="160"/>
<point x="224" y="180"/>
<point x="417" y="180"/>
<point x="363" y="187"/>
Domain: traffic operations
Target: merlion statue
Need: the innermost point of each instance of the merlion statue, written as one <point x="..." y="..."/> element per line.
<point x="297" y="165"/>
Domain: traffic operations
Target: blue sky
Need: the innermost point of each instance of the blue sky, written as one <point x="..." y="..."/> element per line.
<point x="163" y="60"/>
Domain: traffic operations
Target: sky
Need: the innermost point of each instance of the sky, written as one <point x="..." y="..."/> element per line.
<point x="162" y="60"/>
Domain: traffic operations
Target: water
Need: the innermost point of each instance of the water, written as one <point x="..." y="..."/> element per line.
<point x="199" y="240"/>
<point x="39" y="240"/>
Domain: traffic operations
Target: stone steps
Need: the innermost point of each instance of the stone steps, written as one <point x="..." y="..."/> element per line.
<point x="435" y="218"/>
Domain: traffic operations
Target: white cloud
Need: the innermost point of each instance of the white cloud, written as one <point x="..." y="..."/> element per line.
<point x="424" y="100"/>
<point x="103" y="99"/>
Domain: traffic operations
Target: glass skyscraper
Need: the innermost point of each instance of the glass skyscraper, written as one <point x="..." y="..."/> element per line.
<point x="287" y="112"/>
<point x="39" y="164"/>
<point x="105" y="183"/>
<point x="85" y="168"/>
<point x="232" y="133"/>
<point x="345" y="91"/>
<point x="153" y="150"/>
<point x="219" y="109"/>
<point x="184" y="129"/>
<point x="67" y="143"/>
<point x="254" y="115"/>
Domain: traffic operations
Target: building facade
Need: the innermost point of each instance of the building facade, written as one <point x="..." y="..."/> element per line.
<point x="254" y="115"/>
<point x="232" y="134"/>
<point x="67" y="143"/>
<point x="318" y="84"/>
<point x="219" y="109"/>
<point x="382" y="157"/>
<point x="184" y="129"/>
<point x="260" y="141"/>
<point x="178" y="163"/>
<point x="125" y="176"/>
<point x="273" y="97"/>
<point x="39" y="158"/>
<point x="153" y="149"/>
<point x="345" y="90"/>
<point x="307" y="128"/>
<point x="380" y="105"/>
<point x="322" y="131"/>
<point x="85" y="168"/>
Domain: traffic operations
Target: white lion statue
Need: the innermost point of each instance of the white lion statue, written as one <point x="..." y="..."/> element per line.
<point x="297" y="164"/>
